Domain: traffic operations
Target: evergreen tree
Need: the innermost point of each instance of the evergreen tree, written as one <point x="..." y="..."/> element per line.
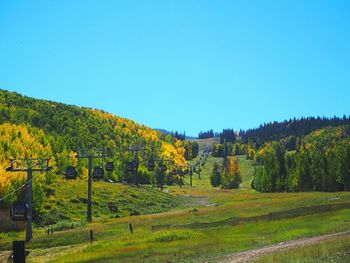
<point x="215" y="177"/>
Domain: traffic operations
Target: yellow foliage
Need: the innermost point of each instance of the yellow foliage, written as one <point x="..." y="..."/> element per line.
<point x="175" y="154"/>
<point x="73" y="159"/>
<point x="85" y="173"/>
<point x="127" y="130"/>
<point x="103" y="115"/>
<point x="234" y="167"/>
<point x="128" y="127"/>
<point x="250" y="153"/>
<point x="19" y="141"/>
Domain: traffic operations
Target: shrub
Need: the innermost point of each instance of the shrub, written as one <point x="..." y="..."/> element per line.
<point x="173" y="235"/>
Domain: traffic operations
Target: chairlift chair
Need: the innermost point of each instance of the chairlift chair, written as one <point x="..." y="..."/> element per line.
<point x="150" y="165"/>
<point x="109" y="166"/>
<point x="98" y="172"/>
<point x="71" y="173"/>
<point x="18" y="212"/>
<point x="129" y="166"/>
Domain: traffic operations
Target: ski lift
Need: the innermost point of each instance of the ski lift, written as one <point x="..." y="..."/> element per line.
<point x="9" y="169"/>
<point x="150" y="165"/>
<point x="98" y="172"/>
<point x="71" y="172"/>
<point x="163" y="167"/>
<point x="18" y="212"/>
<point x="129" y="166"/>
<point x="109" y="166"/>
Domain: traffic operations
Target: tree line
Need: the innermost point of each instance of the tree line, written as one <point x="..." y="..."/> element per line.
<point x="227" y="174"/>
<point x="321" y="162"/>
<point x="292" y="129"/>
<point x="206" y="134"/>
<point x="228" y="135"/>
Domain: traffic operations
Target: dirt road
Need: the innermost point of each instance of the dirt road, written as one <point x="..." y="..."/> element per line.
<point x="248" y="256"/>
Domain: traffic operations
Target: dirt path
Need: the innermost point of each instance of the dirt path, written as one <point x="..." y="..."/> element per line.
<point x="248" y="256"/>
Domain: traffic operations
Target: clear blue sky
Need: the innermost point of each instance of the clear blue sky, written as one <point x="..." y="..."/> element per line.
<point x="181" y="65"/>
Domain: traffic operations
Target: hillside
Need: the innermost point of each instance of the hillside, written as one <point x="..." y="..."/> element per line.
<point x="192" y="223"/>
<point x="70" y="127"/>
<point x="65" y="203"/>
<point x="290" y="130"/>
<point x="38" y="128"/>
<point x="321" y="162"/>
<point x="205" y="144"/>
<point x="216" y="223"/>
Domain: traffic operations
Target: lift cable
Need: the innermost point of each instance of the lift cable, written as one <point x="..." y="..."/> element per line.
<point x="23" y="185"/>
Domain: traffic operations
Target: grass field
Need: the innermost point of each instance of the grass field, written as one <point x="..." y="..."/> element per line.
<point x="109" y="200"/>
<point x="334" y="250"/>
<point x="174" y="242"/>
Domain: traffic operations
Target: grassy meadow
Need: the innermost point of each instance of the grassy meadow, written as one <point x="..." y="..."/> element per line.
<point x="169" y="228"/>
<point x="333" y="250"/>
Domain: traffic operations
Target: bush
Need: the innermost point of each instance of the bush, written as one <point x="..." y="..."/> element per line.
<point x="63" y="225"/>
<point x="173" y="235"/>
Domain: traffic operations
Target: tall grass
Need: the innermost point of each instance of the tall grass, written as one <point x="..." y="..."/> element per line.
<point x="334" y="250"/>
<point x="64" y="225"/>
<point x="173" y="235"/>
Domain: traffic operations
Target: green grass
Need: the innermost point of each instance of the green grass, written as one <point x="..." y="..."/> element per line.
<point x="63" y="225"/>
<point x="173" y="235"/>
<point x="109" y="200"/>
<point x="204" y="143"/>
<point x="247" y="168"/>
<point x="201" y="203"/>
<point x="334" y="250"/>
<point x="188" y="245"/>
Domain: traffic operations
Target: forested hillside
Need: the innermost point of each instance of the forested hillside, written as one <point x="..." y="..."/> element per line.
<point x="295" y="155"/>
<point x="289" y="130"/>
<point x="38" y="128"/>
<point x="321" y="162"/>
